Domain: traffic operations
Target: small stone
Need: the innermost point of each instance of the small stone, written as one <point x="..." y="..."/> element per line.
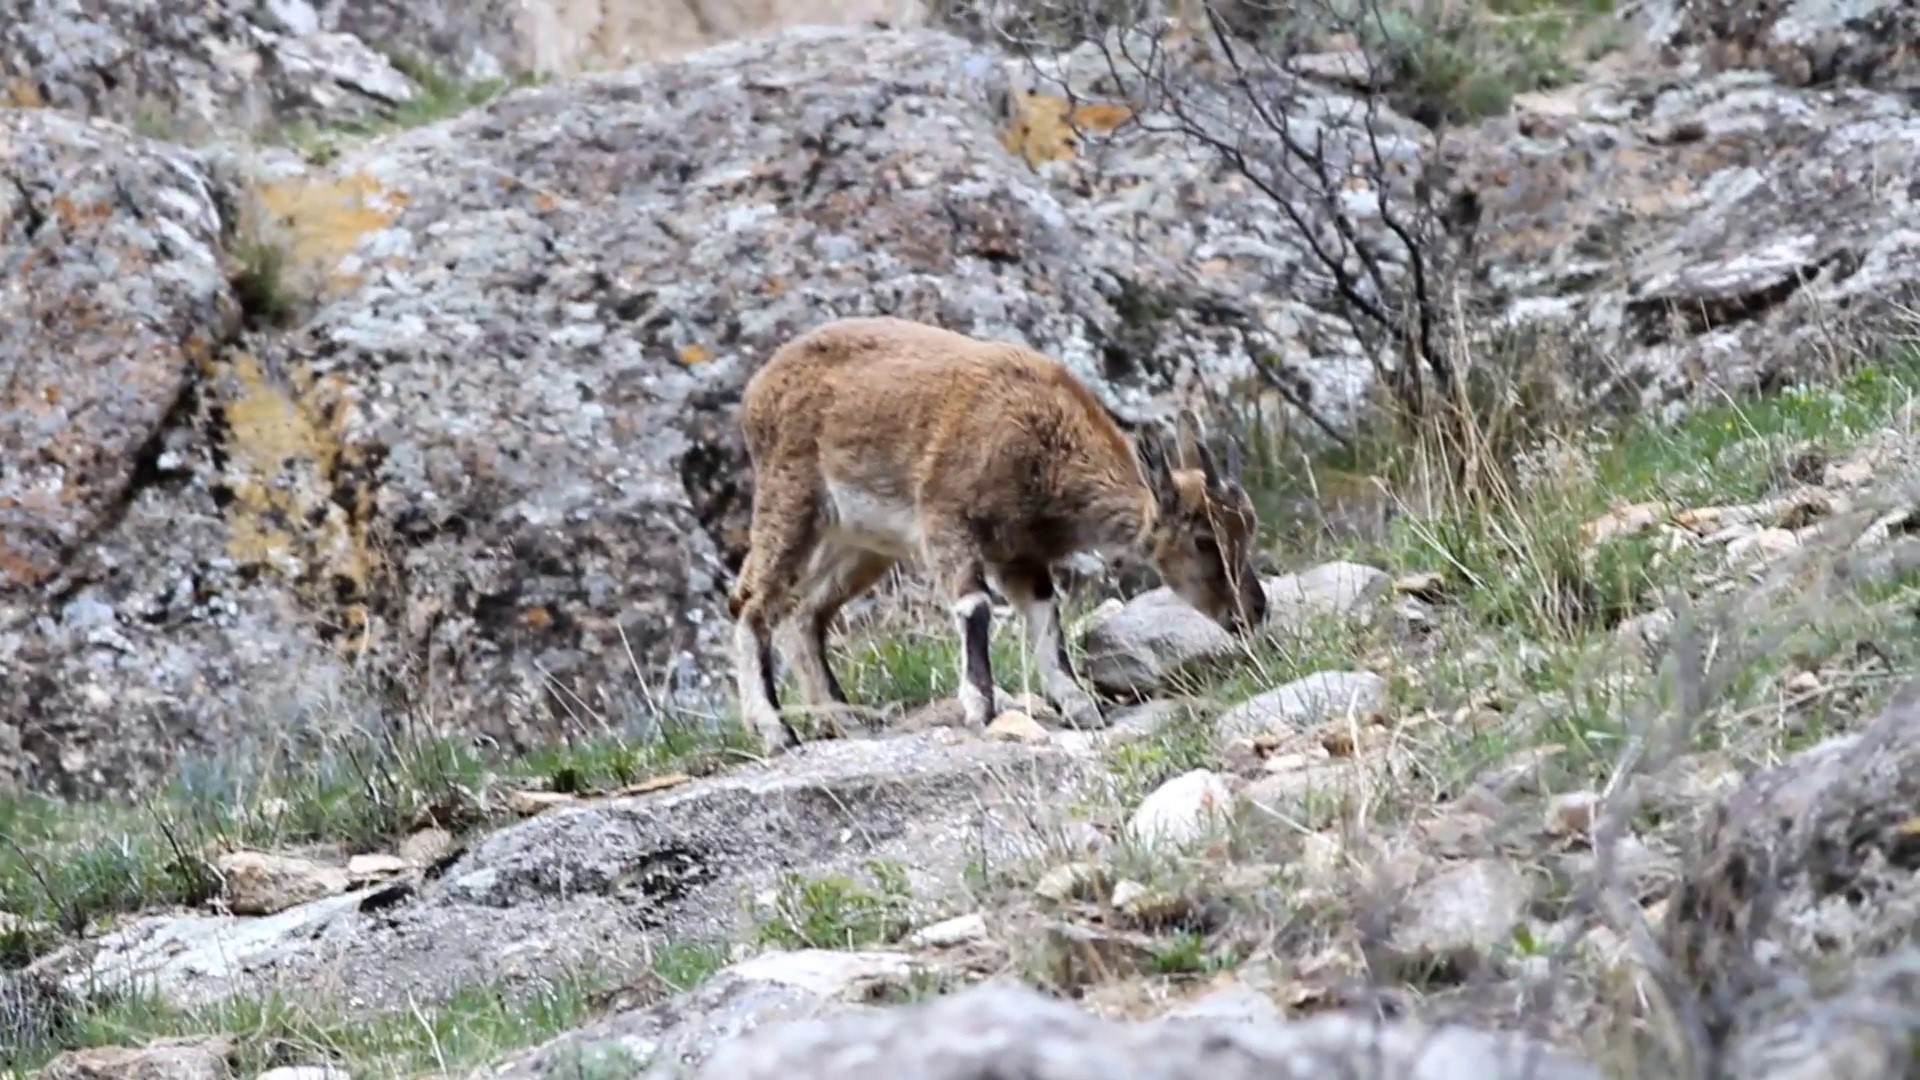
<point x="1338" y="740"/>
<point x="261" y="884"/>
<point x="1623" y="521"/>
<point x="1236" y="1001"/>
<point x="1138" y="647"/>
<point x="1132" y="723"/>
<point x="367" y="868"/>
<point x="1304" y="703"/>
<point x="427" y="846"/>
<point x="163" y="1059"/>
<point x="1083" y="956"/>
<point x="1460" y="917"/>
<point x="1430" y="586"/>
<point x="1146" y="907"/>
<point x="950" y="932"/>
<point x="527" y="803"/>
<point x="1342" y="589"/>
<point x="1763" y="544"/>
<point x="1017" y="726"/>
<point x="1803" y="682"/>
<point x="305" y="1072"/>
<point x="1572" y="813"/>
<point x="1645" y="635"/>
<point x="1071" y="881"/>
<point x="1182" y="810"/>
<point x="1126" y="892"/>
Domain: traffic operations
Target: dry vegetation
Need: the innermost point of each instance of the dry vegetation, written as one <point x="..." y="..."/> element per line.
<point x="1578" y="663"/>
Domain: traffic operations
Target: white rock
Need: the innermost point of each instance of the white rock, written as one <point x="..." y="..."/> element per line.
<point x="1330" y="589"/>
<point x="950" y="932"/>
<point x="1182" y="810"/>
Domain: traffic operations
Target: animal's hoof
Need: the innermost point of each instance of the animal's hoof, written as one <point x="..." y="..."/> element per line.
<point x="776" y="737"/>
<point x="1084" y="717"/>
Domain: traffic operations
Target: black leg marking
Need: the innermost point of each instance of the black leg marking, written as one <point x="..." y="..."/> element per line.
<point x="977" y="633"/>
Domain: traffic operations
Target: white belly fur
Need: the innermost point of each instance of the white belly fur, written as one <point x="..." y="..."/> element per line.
<point x="883" y="526"/>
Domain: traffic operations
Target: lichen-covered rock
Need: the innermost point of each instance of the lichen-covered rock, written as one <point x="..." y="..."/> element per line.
<point x="1758" y="220"/>
<point x="113" y="289"/>
<point x="1804" y="42"/>
<point x="131" y="627"/>
<point x="196" y="67"/>
<point x="1014" y="1032"/>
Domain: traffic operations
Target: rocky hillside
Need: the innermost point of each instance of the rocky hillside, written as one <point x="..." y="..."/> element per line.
<point x="369" y="492"/>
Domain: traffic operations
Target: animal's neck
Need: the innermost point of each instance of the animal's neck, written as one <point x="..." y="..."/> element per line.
<point x="1121" y="520"/>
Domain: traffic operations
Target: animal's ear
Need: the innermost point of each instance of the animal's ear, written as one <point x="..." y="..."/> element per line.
<point x="1193" y="452"/>
<point x="1236" y="459"/>
<point x="1152" y="446"/>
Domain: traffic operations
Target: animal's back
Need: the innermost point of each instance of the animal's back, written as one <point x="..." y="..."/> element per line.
<point x="857" y="381"/>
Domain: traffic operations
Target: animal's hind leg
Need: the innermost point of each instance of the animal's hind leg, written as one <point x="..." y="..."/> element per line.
<point x="781" y="540"/>
<point x="835" y="576"/>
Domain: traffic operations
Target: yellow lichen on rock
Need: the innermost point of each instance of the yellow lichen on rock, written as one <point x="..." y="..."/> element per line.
<point x="284" y="450"/>
<point x="22" y="93"/>
<point x="319" y="220"/>
<point x="1046" y="127"/>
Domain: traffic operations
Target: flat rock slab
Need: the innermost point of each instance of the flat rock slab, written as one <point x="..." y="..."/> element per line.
<point x="1013" y="1031"/>
<point x="588" y="887"/>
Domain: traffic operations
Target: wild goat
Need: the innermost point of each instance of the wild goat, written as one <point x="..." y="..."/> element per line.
<point x="878" y="439"/>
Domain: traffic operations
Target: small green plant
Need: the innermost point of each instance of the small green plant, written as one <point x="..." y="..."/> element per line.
<point x="1185" y="743"/>
<point x="837" y="912"/>
<point x="685" y="965"/>
<point x="473" y="1027"/>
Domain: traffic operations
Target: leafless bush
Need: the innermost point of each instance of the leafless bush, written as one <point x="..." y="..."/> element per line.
<point x="1352" y="184"/>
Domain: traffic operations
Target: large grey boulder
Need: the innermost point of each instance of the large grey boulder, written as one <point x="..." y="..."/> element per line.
<point x="133" y="622"/>
<point x="598" y="885"/>
<point x="1015" y="1033"/>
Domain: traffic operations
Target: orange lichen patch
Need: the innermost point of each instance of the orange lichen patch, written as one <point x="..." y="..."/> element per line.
<point x="17" y="570"/>
<point x="695" y="354"/>
<point x="72" y="214"/>
<point x="318" y="221"/>
<point x="1046" y="127"/>
<point x="285" y="449"/>
<point x="545" y="203"/>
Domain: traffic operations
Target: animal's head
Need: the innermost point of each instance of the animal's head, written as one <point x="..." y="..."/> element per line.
<point x="1202" y="541"/>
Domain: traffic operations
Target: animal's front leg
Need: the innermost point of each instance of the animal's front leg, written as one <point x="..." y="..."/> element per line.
<point x="966" y="587"/>
<point x="1031" y="590"/>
